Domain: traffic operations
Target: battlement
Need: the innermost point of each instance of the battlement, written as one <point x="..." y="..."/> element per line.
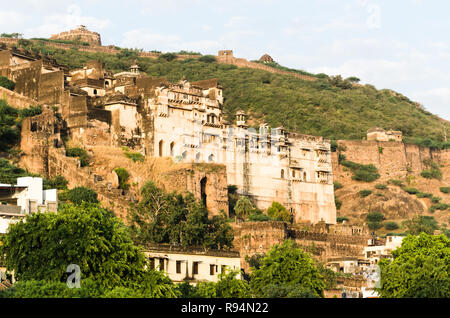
<point x="80" y="34"/>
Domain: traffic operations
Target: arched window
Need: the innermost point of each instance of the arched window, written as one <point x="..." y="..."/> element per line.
<point x="304" y="177"/>
<point x="161" y="146"/>
<point x="293" y="173"/>
<point x="282" y="173"/>
<point x="95" y="92"/>
<point x="198" y="157"/>
<point x="184" y="155"/>
<point x="172" y="147"/>
<point x="211" y="158"/>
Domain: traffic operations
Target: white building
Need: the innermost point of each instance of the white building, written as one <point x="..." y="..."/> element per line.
<point x="375" y="253"/>
<point x="24" y="198"/>
<point x="195" y="265"/>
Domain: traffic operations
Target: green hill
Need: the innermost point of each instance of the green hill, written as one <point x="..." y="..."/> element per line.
<point x="329" y="107"/>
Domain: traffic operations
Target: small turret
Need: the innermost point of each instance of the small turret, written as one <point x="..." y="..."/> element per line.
<point x="135" y="68"/>
<point x="241" y="118"/>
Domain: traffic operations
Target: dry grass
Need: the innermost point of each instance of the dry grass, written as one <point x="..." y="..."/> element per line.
<point x="106" y="159"/>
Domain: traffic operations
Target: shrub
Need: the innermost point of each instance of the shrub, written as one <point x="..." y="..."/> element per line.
<point x="366" y="173"/>
<point x="380" y="186"/>
<point x="431" y="174"/>
<point x="434" y="171"/>
<point x="258" y="217"/>
<point x="31" y="111"/>
<point x="337" y="185"/>
<point x="341" y="219"/>
<point x="375" y="225"/>
<point x="135" y="156"/>
<point x="445" y="189"/>
<point x="6" y="83"/>
<point x="338" y="203"/>
<point x="398" y="183"/>
<point x="207" y="59"/>
<point x="80" y="153"/>
<point x="424" y="195"/>
<point x="411" y="190"/>
<point x="168" y="57"/>
<point x="58" y="182"/>
<point x="436" y="199"/>
<point x="123" y="175"/>
<point x="375" y="217"/>
<point x="439" y="206"/>
<point x="279" y="213"/>
<point x="365" y="193"/>
<point x="79" y="195"/>
<point x="391" y="226"/>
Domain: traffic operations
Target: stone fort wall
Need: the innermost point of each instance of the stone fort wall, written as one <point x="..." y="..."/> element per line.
<point x="253" y="238"/>
<point x="392" y="159"/>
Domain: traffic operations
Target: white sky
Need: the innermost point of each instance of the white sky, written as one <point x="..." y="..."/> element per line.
<point x="403" y="45"/>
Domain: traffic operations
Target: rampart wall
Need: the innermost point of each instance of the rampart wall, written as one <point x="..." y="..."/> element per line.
<point x="15" y="99"/>
<point x="392" y="159"/>
<point x="253" y="238"/>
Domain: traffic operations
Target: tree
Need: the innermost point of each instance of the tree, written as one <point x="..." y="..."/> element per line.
<point x="9" y="133"/>
<point x="176" y="219"/>
<point x="228" y="286"/>
<point x="10" y="173"/>
<point x="44" y="245"/>
<point x="79" y="195"/>
<point x="244" y="207"/>
<point x="279" y="213"/>
<point x="123" y="175"/>
<point x="420" y="269"/>
<point x="421" y="223"/>
<point x="284" y="266"/>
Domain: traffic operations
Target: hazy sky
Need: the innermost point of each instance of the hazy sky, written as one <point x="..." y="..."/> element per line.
<point x="403" y="45"/>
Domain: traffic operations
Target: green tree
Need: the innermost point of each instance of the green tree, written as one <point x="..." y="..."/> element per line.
<point x="420" y="269"/>
<point x="279" y="213"/>
<point x="79" y="195"/>
<point x="162" y="217"/>
<point x="244" y="207"/>
<point x="286" y="265"/>
<point x="421" y="223"/>
<point x="9" y="132"/>
<point x="9" y="173"/>
<point x="228" y="286"/>
<point x="42" y="246"/>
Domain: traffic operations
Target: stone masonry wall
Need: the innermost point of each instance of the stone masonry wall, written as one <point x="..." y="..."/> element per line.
<point x="258" y="237"/>
<point x="15" y="99"/>
<point x="392" y="159"/>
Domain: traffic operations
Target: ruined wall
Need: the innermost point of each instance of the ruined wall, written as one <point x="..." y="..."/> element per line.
<point x="215" y="191"/>
<point x="392" y="159"/>
<point x="76" y="112"/>
<point x="114" y="199"/>
<point x="258" y="237"/>
<point x="240" y="62"/>
<point x="251" y="238"/>
<point x="27" y="78"/>
<point x="16" y="100"/>
<point x="51" y="88"/>
<point x="38" y="134"/>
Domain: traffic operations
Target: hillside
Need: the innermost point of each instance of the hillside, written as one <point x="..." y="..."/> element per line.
<point x="327" y="107"/>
